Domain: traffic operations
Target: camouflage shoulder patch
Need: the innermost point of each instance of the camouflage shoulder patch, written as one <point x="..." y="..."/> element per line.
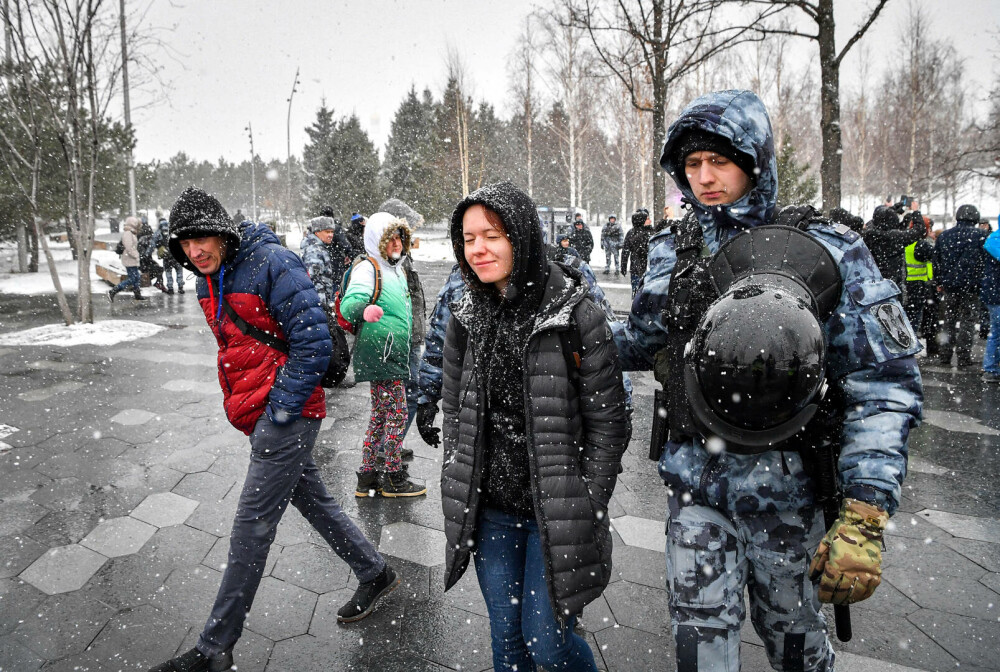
<point x="893" y="324"/>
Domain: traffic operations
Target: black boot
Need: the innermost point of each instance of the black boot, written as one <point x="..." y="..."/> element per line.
<point x="170" y="290"/>
<point x="180" y="290"/>
<point x="367" y="596"/>
<point x="112" y="293"/>
<point x="398" y="484"/>
<point x="368" y="484"/>
<point x="196" y="661"/>
<point x="137" y="295"/>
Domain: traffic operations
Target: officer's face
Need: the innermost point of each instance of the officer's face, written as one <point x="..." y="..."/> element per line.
<point x="325" y="236"/>
<point x="714" y="179"/>
<point x="205" y="253"/>
<point x="487" y="250"/>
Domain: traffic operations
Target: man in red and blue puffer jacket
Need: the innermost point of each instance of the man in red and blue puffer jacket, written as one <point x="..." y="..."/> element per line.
<point x="274" y="398"/>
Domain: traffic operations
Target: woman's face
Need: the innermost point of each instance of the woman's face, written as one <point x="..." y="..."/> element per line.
<point x="487" y="250"/>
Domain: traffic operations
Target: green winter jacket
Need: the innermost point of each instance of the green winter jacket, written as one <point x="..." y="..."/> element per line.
<point x="383" y="347"/>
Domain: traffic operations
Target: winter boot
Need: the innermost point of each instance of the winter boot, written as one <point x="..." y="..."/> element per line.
<point x="159" y="285"/>
<point x="196" y="661"/>
<point x="368" y="484"/>
<point x="367" y="596"/>
<point x="170" y="290"/>
<point x="112" y="293"/>
<point x="180" y="290"/>
<point x="406" y="453"/>
<point x="137" y="295"/>
<point x="398" y="484"/>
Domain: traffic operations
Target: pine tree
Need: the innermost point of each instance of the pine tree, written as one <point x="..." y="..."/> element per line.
<point x="409" y="153"/>
<point x="795" y="185"/>
<point x="341" y="165"/>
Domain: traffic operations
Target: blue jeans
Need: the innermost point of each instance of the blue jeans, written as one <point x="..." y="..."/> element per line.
<point x="511" y="571"/>
<point x="133" y="280"/>
<point x="281" y="470"/>
<point x="991" y="361"/>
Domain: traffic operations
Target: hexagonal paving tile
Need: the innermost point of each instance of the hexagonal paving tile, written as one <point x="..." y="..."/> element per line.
<point x="415" y="543"/>
<point x="133" y="416"/>
<point x="641" y="532"/>
<point x="190" y="460"/>
<point x="63" y="569"/>
<point x="118" y="536"/>
<point x="192" y="386"/>
<point x="164" y="509"/>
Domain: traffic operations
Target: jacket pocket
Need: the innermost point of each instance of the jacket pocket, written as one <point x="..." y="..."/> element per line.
<point x="887" y="329"/>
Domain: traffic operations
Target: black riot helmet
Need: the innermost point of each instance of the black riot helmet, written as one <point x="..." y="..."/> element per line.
<point x="755" y="370"/>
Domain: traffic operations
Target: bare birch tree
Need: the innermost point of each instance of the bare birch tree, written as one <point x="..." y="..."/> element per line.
<point x="664" y="40"/>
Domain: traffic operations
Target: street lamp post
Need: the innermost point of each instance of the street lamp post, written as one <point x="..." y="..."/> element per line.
<point x="288" y="160"/>
<point x="253" y="173"/>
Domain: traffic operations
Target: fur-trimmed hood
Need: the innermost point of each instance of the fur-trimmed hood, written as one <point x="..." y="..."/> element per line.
<point x="379" y="229"/>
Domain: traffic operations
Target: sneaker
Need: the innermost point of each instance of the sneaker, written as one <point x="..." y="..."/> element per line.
<point x="367" y="595"/>
<point x="990" y="377"/>
<point x="368" y="484"/>
<point x="398" y="484"/>
<point x="196" y="661"/>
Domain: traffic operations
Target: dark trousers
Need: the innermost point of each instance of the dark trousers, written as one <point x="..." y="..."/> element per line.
<point x="961" y="310"/>
<point x="917" y="293"/>
<point x="281" y="470"/>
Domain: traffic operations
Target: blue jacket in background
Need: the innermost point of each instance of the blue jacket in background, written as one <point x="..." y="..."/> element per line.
<point x="989" y="291"/>
<point x="958" y="260"/>
<point x="876" y="377"/>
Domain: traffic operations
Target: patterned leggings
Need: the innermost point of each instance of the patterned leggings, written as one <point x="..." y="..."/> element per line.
<point x="385" y="428"/>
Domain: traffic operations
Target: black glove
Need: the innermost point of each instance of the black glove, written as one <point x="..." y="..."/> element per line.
<point x="425" y="424"/>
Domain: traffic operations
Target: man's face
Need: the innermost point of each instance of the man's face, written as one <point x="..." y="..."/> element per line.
<point x="612" y="220"/>
<point x="205" y="253"/>
<point x="914" y="205"/>
<point x="326" y="236"/>
<point x="578" y="223"/>
<point x="714" y="179"/>
<point x="394" y="248"/>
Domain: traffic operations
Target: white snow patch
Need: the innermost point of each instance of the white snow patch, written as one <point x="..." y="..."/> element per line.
<point x="107" y="332"/>
<point x="7" y="430"/>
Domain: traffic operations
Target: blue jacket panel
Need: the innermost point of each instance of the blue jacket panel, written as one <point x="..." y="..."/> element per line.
<point x="989" y="291"/>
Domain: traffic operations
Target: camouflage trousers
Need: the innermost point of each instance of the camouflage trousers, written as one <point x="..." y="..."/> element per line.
<point x="713" y="557"/>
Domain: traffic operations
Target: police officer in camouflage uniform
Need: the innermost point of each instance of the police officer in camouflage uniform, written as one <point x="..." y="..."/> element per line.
<point x="748" y="517"/>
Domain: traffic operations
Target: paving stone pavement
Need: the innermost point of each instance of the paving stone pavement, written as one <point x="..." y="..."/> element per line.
<point x="119" y="477"/>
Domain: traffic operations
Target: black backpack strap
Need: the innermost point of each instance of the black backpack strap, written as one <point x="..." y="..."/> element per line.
<point x="248" y="329"/>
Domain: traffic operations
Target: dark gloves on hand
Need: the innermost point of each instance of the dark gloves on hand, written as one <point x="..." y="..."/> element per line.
<point x="425" y="424"/>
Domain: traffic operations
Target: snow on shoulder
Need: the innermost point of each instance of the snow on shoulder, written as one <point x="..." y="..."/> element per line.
<point x="106" y="332"/>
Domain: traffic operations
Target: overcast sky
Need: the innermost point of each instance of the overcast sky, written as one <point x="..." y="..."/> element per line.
<point x="230" y="62"/>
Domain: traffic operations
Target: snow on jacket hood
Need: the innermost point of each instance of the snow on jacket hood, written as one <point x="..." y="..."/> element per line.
<point x="741" y="118"/>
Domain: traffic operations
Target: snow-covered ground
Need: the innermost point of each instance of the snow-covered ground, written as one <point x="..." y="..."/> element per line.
<point x="105" y="332"/>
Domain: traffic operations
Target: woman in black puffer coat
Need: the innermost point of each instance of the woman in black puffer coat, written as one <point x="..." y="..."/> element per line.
<point x="534" y="431"/>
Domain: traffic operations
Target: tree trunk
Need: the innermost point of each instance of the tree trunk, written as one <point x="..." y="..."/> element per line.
<point x="54" y="272"/>
<point x="659" y="107"/>
<point x="829" y="107"/>
<point x="22" y="247"/>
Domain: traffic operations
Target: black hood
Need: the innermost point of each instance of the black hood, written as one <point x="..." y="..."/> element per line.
<point x="524" y="231"/>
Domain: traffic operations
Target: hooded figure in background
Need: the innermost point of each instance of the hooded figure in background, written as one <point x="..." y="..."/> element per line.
<point x="382" y="350"/>
<point x="612" y="238"/>
<point x="887" y="239"/>
<point x="743" y="510"/>
<point x="323" y="253"/>
<point x="534" y="430"/>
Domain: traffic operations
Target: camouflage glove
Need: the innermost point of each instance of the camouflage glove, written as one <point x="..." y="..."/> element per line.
<point x="848" y="562"/>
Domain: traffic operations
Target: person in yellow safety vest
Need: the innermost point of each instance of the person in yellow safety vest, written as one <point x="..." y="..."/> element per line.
<point x="919" y="274"/>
